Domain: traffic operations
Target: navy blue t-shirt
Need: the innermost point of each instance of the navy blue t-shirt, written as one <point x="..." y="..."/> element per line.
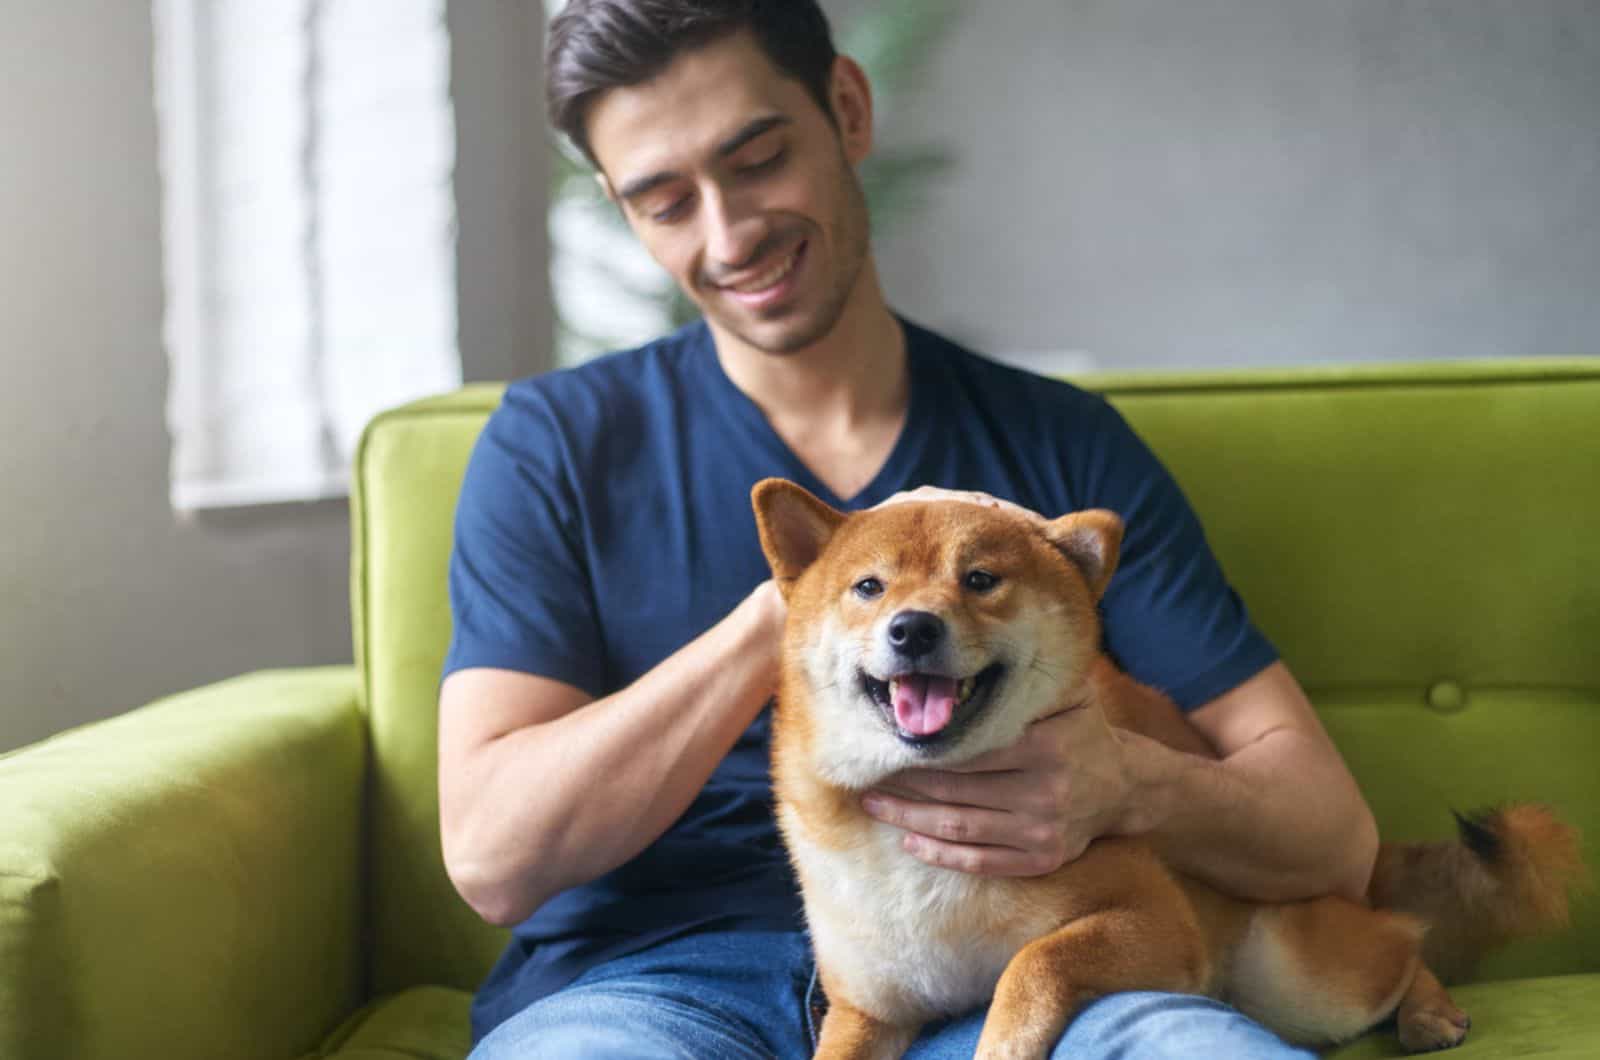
<point x="605" y="522"/>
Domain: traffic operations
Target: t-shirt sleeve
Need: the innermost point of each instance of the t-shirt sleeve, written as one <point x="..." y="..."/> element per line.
<point x="1171" y="618"/>
<point x="520" y="595"/>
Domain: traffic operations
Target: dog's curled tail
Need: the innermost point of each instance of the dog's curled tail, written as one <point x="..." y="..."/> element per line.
<point x="1508" y="875"/>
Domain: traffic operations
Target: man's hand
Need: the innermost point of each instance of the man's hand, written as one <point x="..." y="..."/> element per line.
<point x="1025" y="810"/>
<point x="924" y="494"/>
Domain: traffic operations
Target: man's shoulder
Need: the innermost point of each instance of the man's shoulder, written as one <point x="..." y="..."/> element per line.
<point x="1016" y="394"/>
<point x="599" y="397"/>
<point x="621" y="386"/>
<point x="569" y="422"/>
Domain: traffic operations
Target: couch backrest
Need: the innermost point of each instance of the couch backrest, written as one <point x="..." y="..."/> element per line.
<point x="1422" y="543"/>
<point x="407" y="477"/>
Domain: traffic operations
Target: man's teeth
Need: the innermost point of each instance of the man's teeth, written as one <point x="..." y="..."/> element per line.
<point x="771" y="277"/>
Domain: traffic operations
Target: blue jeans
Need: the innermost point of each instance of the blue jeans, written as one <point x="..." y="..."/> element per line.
<point x="749" y="995"/>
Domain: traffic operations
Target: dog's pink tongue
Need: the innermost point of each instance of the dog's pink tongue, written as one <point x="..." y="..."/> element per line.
<point x="923" y="704"/>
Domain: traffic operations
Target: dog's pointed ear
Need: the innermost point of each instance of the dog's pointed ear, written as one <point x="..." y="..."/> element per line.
<point x="1092" y="540"/>
<point x="794" y="526"/>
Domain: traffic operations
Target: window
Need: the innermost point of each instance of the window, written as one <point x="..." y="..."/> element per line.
<point x="307" y="151"/>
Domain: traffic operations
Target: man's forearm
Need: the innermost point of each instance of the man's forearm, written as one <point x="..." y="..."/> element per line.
<point x="1272" y="822"/>
<point x="557" y="804"/>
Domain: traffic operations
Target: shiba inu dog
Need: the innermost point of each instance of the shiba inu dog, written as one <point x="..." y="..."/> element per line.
<point x="926" y="634"/>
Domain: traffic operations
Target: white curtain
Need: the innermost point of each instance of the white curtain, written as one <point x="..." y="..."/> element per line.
<point x="309" y="230"/>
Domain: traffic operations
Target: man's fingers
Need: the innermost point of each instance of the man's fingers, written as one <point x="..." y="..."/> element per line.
<point x="920" y="494"/>
<point x="978" y="860"/>
<point x="964" y="825"/>
<point x="973" y="837"/>
<point x="991" y="789"/>
<point x="934" y="493"/>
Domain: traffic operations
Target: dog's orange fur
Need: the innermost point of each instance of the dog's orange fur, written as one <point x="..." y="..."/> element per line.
<point x="1115" y="918"/>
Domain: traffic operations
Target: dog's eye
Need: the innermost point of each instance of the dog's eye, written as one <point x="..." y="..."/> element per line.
<point x="980" y="581"/>
<point x="868" y="588"/>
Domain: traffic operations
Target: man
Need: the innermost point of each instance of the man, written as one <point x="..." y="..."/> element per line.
<point x="602" y="720"/>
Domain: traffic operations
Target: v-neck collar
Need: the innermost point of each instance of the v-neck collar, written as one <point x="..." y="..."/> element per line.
<point x="891" y="477"/>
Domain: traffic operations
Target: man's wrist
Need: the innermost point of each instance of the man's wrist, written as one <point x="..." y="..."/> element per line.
<point x="756" y="631"/>
<point x="1155" y="781"/>
<point x="768" y="609"/>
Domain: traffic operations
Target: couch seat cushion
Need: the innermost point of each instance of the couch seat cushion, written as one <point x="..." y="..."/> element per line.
<point x="1554" y="1018"/>
<point x="423" y="1023"/>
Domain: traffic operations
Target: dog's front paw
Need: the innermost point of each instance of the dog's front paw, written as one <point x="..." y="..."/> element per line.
<point x="1424" y="1029"/>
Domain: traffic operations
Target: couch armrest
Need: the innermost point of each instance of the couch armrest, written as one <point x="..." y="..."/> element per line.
<point x="184" y="880"/>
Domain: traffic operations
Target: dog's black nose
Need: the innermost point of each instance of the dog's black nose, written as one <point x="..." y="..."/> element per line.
<point x="915" y="633"/>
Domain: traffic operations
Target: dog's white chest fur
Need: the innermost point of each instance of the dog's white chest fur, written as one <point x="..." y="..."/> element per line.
<point x="908" y="941"/>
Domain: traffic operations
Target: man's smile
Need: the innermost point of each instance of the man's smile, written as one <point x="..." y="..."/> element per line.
<point x="771" y="285"/>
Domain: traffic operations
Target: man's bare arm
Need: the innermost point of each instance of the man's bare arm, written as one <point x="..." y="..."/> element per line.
<point x="1278" y="817"/>
<point x="542" y="788"/>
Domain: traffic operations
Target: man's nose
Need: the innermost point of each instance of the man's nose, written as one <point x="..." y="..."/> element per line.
<point x="735" y="233"/>
<point x="915" y="633"/>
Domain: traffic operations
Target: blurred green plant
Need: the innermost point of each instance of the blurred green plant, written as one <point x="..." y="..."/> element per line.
<point x="895" y="41"/>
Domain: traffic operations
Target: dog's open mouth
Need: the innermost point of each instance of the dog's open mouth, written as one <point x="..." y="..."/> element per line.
<point x="931" y="708"/>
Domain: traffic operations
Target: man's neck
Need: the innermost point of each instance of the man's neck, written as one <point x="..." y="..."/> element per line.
<point x="855" y="377"/>
<point x="839" y="404"/>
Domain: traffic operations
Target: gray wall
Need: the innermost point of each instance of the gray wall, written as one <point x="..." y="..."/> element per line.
<point x="1192" y="182"/>
<point x="502" y="187"/>
<point x="106" y="598"/>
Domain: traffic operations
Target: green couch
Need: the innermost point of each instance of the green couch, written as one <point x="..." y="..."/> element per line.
<point x="252" y="869"/>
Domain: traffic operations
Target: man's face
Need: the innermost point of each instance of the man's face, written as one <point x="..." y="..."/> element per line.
<point x="741" y="188"/>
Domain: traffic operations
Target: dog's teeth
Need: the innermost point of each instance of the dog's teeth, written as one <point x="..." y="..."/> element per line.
<point x="964" y="689"/>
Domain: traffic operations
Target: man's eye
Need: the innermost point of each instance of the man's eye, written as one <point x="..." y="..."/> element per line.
<point x="672" y="212"/>
<point x="980" y="581"/>
<point x="868" y="588"/>
<point x="768" y="163"/>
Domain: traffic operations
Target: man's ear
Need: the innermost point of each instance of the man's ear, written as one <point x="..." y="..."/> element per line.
<point x="795" y="527"/>
<point x="850" y="95"/>
<point x="1092" y="540"/>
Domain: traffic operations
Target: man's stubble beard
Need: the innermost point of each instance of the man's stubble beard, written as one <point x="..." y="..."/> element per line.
<point x="852" y="237"/>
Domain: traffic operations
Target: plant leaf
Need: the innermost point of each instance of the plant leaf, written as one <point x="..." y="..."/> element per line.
<point x="895" y="41"/>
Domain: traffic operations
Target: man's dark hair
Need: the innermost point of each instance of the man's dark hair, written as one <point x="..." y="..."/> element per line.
<point x="598" y="45"/>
